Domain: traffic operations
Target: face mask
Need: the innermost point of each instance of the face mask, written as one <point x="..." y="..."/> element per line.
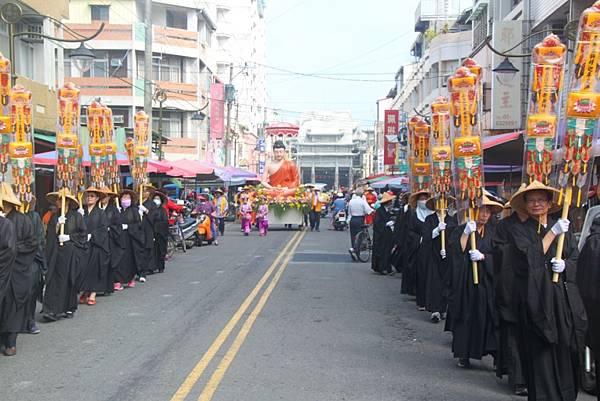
<point x="125" y="203"/>
<point x="157" y="202"/>
<point x="422" y="204"/>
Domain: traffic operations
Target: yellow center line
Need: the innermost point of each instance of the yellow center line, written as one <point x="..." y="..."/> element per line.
<point x="212" y="385"/>
<point x="201" y="366"/>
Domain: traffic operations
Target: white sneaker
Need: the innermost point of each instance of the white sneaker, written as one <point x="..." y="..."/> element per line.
<point x="142" y="279"/>
<point x="435" y="317"/>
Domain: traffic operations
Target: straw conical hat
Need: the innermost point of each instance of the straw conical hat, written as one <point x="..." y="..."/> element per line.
<point x="387" y="197"/>
<point x="496" y="207"/>
<point x="517" y="201"/>
<point x="108" y="192"/>
<point x="54" y="197"/>
<point x="412" y="199"/>
<point x="8" y="195"/>
<point x="101" y="194"/>
<point x="431" y="201"/>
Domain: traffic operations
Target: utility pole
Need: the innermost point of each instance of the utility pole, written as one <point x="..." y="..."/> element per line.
<point x="148" y="68"/>
<point x="228" y="96"/>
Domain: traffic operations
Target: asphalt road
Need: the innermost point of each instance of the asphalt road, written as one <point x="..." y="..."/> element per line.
<point x="317" y="327"/>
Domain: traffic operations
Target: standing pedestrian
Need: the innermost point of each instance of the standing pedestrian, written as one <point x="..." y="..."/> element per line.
<point x="246" y="215"/>
<point x="383" y="236"/>
<point x="262" y="216"/>
<point x="116" y="245"/>
<point x="222" y="207"/>
<point x="133" y="241"/>
<point x="38" y="267"/>
<point x="148" y="211"/>
<point x="358" y="208"/>
<point x="161" y="231"/>
<point x="315" y="210"/>
<point x="8" y="251"/>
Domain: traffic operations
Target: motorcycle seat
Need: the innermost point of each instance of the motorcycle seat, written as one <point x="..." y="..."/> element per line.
<point x="187" y="223"/>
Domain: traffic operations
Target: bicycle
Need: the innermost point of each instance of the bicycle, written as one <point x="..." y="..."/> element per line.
<point x="363" y="244"/>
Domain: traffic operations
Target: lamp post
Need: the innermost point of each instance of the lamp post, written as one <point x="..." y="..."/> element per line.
<point x="11" y="13"/>
<point x="198" y="116"/>
<point x="160" y="96"/>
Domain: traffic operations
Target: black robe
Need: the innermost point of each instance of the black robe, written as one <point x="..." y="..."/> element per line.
<point x="148" y="226"/>
<point x="116" y="242"/>
<point x="14" y="317"/>
<point x="436" y="267"/>
<point x="161" y="235"/>
<point x="383" y="242"/>
<point x="39" y="267"/>
<point x="551" y="315"/>
<point x="510" y="356"/>
<point x="417" y="254"/>
<point x="133" y="240"/>
<point x="64" y="264"/>
<point x="8" y="251"/>
<point x="98" y="259"/>
<point x="471" y="307"/>
<point x="588" y="281"/>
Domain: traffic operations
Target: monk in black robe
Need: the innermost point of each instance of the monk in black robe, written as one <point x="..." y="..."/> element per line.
<point x="588" y="280"/>
<point x="472" y="308"/>
<point x="551" y="316"/>
<point x="161" y="232"/>
<point x="133" y="240"/>
<point x="509" y="357"/>
<point x="437" y="264"/>
<point x="65" y="254"/>
<point x="8" y="251"/>
<point x="14" y="318"/>
<point x="39" y="269"/>
<point x="383" y="236"/>
<point x="115" y="234"/>
<point x="150" y="213"/>
<point x="418" y="249"/>
<point x="98" y="260"/>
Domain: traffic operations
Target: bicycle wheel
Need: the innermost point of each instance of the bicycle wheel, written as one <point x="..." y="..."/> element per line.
<point x="171" y="246"/>
<point x="362" y="247"/>
<point x="182" y="239"/>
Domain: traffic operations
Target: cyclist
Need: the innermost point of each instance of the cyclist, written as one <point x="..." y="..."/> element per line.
<point x="358" y="208"/>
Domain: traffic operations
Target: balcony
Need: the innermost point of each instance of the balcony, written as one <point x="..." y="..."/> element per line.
<point x="101" y="86"/>
<point x="175" y="37"/>
<point x="434" y="10"/>
<point x="110" y="31"/>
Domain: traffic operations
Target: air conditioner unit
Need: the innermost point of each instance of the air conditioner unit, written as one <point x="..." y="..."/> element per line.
<point x="116" y="62"/>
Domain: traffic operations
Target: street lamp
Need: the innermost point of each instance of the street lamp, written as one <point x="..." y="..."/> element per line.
<point x="82" y="58"/>
<point x="506" y="71"/>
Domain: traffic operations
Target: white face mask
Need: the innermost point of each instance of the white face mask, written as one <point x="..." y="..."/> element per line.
<point x="157" y="202"/>
<point x="422" y="204"/>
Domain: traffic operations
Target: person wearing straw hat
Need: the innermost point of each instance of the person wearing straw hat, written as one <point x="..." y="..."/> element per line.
<point x="8" y="252"/>
<point x="161" y="232"/>
<point x="133" y="240"/>
<point x="148" y="210"/>
<point x="383" y="236"/>
<point x="98" y="254"/>
<point x="471" y="306"/>
<point x="417" y="249"/>
<point x="222" y="207"/>
<point x="552" y="319"/>
<point x="15" y="317"/>
<point x="437" y="263"/>
<point x="66" y="241"/>
<point x="116" y="245"/>
<point x="509" y="356"/>
<point x="39" y="267"/>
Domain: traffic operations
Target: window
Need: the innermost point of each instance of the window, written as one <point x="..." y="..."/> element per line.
<point x="99" y="69"/>
<point x="222" y="15"/>
<point x="171" y="123"/>
<point x="99" y="13"/>
<point x="222" y="42"/>
<point x="176" y="19"/>
<point x="163" y="69"/>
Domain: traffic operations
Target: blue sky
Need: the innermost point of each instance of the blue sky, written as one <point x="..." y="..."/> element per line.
<point x="336" y="38"/>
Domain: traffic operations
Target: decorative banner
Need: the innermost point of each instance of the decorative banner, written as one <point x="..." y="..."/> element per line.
<point x="409" y="141"/>
<point x="140" y="152"/>
<point x="546" y="80"/>
<point x="420" y="172"/>
<point x="467" y="151"/>
<point x="113" y="176"/>
<point x="5" y="121"/>
<point x="441" y="158"/>
<point x="262" y="156"/>
<point x="217" y="112"/>
<point x="582" y="112"/>
<point x="21" y="147"/>
<point x="390" y="127"/>
<point x="97" y="147"/>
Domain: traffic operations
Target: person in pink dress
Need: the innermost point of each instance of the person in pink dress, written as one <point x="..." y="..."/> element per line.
<point x="246" y="215"/>
<point x="262" y="216"/>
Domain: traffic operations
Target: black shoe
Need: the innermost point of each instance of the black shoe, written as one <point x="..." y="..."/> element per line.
<point x="33" y="329"/>
<point x="352" y="255"/>
<point x="464" y="363"/>
<point x="50" y="317"/>
<point x="69" y="314"/>
<point x="521" y="391"/>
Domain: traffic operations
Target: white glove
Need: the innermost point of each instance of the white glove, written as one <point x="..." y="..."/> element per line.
<point x="89" y="237"/>
<point x="441" y="226"/>
<point x="390" y="224"/>
<point x="475" y="255"/>
<point x="558" y="265"/>
<point x="142" y="209"/>
<point x="2" y="214"/>
<point x="81" y="211"/>
<point x="470" y="227"/>
<point x="443" y="253"/>
<point x="124" y="226"/>
<point x="435" y="232"/>
<point x="62" y="220"/>
<point x="561" y="226"/>
<point x="64" y="238"/>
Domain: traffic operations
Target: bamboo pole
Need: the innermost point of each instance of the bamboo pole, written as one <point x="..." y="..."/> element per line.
<point x="473" y="247"/>
<point x="561" y="238"/>
<point x="63" y="206"/>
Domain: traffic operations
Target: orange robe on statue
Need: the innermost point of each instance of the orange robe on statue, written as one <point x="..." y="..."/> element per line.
<point x="286" y="176"/>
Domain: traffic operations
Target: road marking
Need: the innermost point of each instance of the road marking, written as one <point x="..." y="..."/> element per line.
<point x="212" y="385"/>
<point x="201" y="366"/>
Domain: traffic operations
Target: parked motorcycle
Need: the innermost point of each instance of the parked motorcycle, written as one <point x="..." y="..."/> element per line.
<point x="204" y="232"/>
<point x="183" y="231"/>
<point x="339" y="221"/>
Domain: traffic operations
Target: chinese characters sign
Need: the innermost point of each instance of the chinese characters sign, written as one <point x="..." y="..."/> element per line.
<point x="390" y="130"/>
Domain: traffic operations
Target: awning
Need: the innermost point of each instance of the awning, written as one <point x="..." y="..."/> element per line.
<point x="397" y="182"/>
<point x="504" y="149"/>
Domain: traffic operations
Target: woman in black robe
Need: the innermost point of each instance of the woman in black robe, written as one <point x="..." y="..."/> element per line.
<point x="472" y="308"/>
<point x="98" y="260"/>
<point x="116" y="243"/>
<point x="65" y="254"/>
<point x="14" y="318"/>
<point x="551" y="315"/>
<point x="383" y="236"/>
<point x="150" y="213"/>
<point x="418" y="249"/>
<point x="588" y="280"/>
<point x="161" y="231"/>
<point x="437" y="266"/>
<point x="39" y="268"/>
<point x="133" y="240"/>
<point x="8" y="251"/>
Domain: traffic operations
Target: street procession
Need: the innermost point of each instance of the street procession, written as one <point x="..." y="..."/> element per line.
<point x="171" y="230"/>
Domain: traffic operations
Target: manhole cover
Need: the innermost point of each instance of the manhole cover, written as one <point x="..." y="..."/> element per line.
<point x="322" y="257"/>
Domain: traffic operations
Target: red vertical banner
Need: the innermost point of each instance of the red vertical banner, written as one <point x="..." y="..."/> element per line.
<point x="390" y="128"/>
<point x="217" y="111"/>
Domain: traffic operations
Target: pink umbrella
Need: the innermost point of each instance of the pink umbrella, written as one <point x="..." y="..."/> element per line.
<point x="194" y="167"/>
